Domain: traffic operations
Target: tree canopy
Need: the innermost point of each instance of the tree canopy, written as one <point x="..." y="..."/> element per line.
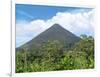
<point x="54" y="56"/>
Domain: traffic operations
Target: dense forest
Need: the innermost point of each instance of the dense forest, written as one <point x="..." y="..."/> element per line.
<point x="53" y="56"/>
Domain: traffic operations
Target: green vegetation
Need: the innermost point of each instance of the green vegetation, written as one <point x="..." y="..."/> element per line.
<point x="53" y="55"/>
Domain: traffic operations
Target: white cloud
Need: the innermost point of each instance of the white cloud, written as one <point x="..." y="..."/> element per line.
<point x="78" y="23"/>
<point x="74" y="22"/>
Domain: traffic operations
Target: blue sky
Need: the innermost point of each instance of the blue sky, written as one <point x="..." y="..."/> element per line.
<point x="30" y="12"/>
<point x="31" y="20"/>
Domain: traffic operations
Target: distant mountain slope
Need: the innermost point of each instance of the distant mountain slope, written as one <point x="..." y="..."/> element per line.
<point x="55" y="32"/>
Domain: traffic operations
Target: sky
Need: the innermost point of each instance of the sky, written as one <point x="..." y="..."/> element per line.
<point x="31" y="20"/>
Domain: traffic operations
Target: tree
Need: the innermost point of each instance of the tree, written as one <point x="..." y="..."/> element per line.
<point x="53" y="55"/>
<point x="86" y="46"/>
<point x="52" y="49"/>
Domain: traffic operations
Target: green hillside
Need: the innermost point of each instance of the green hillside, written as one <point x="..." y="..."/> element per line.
<point x="55" y="49"/>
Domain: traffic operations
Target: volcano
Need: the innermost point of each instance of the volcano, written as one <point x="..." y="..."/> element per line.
<point x="55" y="32"/>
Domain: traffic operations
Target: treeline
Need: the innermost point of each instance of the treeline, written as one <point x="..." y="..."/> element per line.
<point x="53" y="56"/>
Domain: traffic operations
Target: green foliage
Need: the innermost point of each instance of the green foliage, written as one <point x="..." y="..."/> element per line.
<point x="53" y="55"/>
<point x="86" y="46"/>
